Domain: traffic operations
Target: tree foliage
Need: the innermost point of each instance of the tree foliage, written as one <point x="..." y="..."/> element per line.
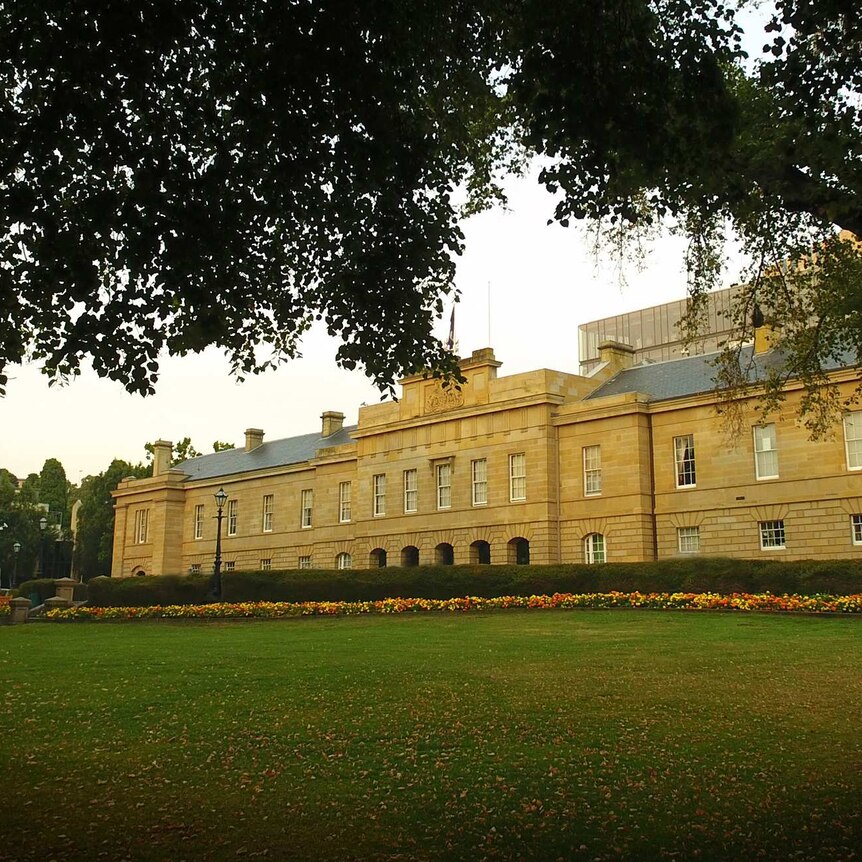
<point x="54" y="491"/>
<point x="180" y="175"/>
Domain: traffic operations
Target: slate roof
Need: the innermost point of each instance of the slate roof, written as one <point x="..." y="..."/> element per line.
<point x="275" y="453"/>
<point x="691" y="375"/>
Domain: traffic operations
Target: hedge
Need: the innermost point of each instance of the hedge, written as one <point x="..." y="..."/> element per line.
<point x="690" y="575"/>
<point x="44" y="589"/>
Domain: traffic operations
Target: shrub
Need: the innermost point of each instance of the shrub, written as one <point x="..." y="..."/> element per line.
<point x="694" y="574"/>
<point x="43" y="587"/>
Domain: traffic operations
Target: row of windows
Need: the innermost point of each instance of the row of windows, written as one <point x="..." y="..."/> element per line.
<point x="410" y="483"/>
<point x="765" y="455"/>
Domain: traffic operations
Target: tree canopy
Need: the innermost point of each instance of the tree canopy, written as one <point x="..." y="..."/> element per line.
<point x="174" y="176"/>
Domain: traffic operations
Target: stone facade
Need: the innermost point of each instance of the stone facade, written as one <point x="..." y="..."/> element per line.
<point x="545" y="466"/>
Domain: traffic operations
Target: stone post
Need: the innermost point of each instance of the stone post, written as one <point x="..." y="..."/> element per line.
<point x="64" y="588"/>
<point x="20" y="609"/>
<point x="56" y="602"/>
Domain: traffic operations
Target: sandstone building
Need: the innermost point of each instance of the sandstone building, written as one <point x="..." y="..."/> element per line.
<point x="629" y="463"/>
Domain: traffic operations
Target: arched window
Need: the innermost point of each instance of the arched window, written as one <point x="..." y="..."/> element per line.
<point x="344" y="561"/>
<point x="518" y="551"/>
<point x="594" y="548"/>
<point x="480" y="553"/>
<point x="377" y="558"/>
<point x="444" y="554"/>
<point x="410" y="556"/>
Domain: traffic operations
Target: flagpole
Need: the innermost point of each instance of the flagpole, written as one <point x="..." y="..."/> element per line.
<point x="489" y="313"/>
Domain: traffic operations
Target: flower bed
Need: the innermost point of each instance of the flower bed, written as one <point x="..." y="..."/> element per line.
<point x="5" y="606"/>
<point x="651" y="601"/>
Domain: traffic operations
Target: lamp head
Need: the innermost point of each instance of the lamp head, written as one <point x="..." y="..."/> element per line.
<point x="43" y="522"/>
<point x="16" y="547"/>
<point x="220" y="497"/>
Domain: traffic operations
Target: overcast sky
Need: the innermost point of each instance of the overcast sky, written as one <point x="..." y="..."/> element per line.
<point x="545" y="281"/>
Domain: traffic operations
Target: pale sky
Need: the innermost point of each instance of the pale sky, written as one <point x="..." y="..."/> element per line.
<point x="545" y="281"/>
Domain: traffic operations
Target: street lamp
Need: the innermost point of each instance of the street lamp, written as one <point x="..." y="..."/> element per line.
<point x="16" y="548"/>
<point x="43" y="523"/>
<point x="215" y="584"/>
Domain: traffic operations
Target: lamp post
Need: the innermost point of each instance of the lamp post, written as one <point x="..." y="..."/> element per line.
<point x="16" y="548"/>
<point x="215" y="585"/>
<point x="43" y="524"/>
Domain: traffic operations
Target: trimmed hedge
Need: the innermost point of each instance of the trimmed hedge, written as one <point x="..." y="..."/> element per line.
<point x="44" y="588"/>
<point x="691" y="575"/>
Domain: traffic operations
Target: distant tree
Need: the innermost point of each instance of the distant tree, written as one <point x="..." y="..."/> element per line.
<point x="95" y="536"/>
<point x="29" y="492"/>
<point x="54" y="491"/>
<point x="218" y="446"/>
<point x="21" y="522"/>
<point x="8" y="488"/>
<point x="182" y="451"/>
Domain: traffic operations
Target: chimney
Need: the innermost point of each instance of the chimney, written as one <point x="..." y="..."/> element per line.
<point x="332" y="422"/>
<point x="162" y="456"/>
<point x="616" y="354"/>
<point x="253" y="438"/>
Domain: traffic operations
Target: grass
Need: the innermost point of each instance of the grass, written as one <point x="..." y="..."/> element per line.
<point x="536" y="735"/>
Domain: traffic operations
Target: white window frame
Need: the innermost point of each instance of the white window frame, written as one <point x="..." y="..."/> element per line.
<point x="688" y="540"/>
<point x="378" y="495"/>
<point x="306" y="508"/>
<point x="479" y="477"/>
<point x="853" y="439"/>
<point x="142" y="526"/>
<point x="199" y="521"/>
<point x="411" y="491"/>
<point x="344" y="560"/>
<point x="230" y="566"/>
<point x="759" y="449"/>
<point x="304" y="561"/>
<point x="195" y="569"/>
<point x="345" y="493"/>
<point x="266" y="513"/>
<point x="266" y="564"/>
<point x="517" y="477"/>
<point x="232" y="517"/>
<point x="595" y="549"/>
<point x="684" y="461"/>
<point x="856" y="529"/>
<point x="592" y="458"/>
<point x="444" y="486"/>
<point x="770" y="532"/>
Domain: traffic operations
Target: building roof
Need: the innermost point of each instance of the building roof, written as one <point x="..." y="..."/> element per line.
<point x="692" y="375"/>
<point x="275" y="453"/>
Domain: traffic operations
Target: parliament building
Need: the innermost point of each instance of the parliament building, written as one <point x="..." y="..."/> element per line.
<point x="627" y="461"/>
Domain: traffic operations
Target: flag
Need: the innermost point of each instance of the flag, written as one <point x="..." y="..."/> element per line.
<point x="450" y="342"/>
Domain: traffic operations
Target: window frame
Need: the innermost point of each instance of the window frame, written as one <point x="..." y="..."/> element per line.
<point x="345" y="502"/>
<point x="198" y="522"/>
<point x="685" y="461"/>
<point x="304" y="561"/>
<point x="692" y="533"/>
<point x="232" y="517"/>
<point x="266" y="513"/>
<point x="306" y="508"/>
<point x="479" y="483"/>
<point x="413" y="474"/>
<point x="758" y="452"/>
<point x="266" y="564"/>
<point x="141" y="527"/>
<point x="230" y="566"/>
<point x="344" y="560"/>
<point x="591" y="552"/>
<point x="520" y="478"/>
<point x="443" y="474"/>
<point x="592" y="474"/>
<point x="857" y="440"/>
<point x="856" y="534"/>
<point x="765" y="530"/>
<point x="378" y="495"/>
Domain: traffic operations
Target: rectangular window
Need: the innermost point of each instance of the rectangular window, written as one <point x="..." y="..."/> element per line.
<point x="305" y="562"/>
<point x="592" y="470"/>
<point x="195" y="569"/>
<point x="444" y="486"/>
<point x="142" y="526"/>
<point x="771" y="534"/>
<point x="306" y="506"/>
<point x="518" y="477"/>
<point x="378" y="485"/>
<point x="853" y="439"/>
<point x="266" y="565"/>
<point x="479" y="469"/>
<point x="344" y="493"/>
<point x="856" y="529"/>
<point x="765" y="452"/>
<point x="230" y="566"/>
<point x="199" y="521"/>
<point x="411" y="490"/>
<point x="688" y="539"/>
<point x="231" y="517"/>
<point x="266" y="519"/>
<point x="683" y="454"/>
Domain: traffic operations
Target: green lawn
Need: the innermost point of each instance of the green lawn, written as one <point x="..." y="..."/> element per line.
<point x="519" y="735"/>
